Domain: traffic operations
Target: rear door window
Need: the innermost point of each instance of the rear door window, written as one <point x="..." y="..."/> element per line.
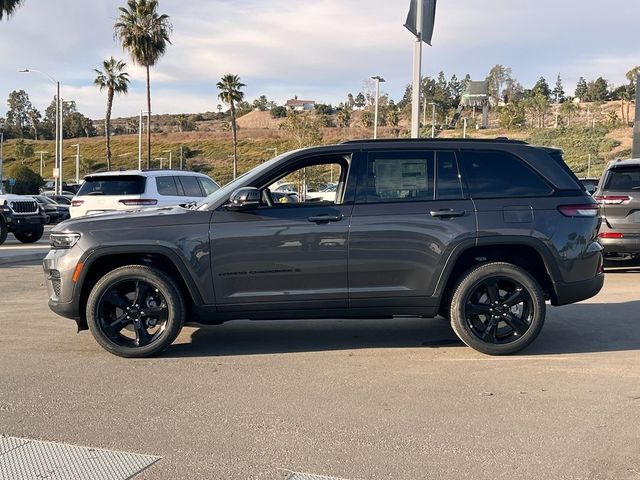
<point x="167" y="186"/>
<point x="400" y="176"/>
<point x="623" y="179"/>
<point x="448" y="183"/>
<point x="190" y="186"/>
<point x="493" y="174"/>
<point x="114" y="185"/>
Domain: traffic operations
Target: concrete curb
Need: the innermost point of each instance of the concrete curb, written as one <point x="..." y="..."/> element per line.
<point x="22" y="257"/>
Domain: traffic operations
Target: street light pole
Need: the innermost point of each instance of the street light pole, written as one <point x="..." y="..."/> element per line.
<point x="58" y="147"/>
<point x="378" y="79"/>
<point x="181" y="161"/>
<point x="417" y="68"/>
<point x="77" y="145"/>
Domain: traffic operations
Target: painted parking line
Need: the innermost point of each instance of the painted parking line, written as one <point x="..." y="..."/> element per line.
<point x="22" y="458"/>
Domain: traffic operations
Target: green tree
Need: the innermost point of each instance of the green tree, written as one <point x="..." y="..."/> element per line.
<point x="27" y="181"/>
<point x="261" y="103"/>
<point x="278" y="112"/>
<point x="367" y="119"/>
<point x="324" y="109"/>
<point x="8" y="7"/>
<point x="114" y="79"/>
<point x="23" y="151"/>
<point x="18" y="113"/>
<point x="34" y="119"/>
<point x="77" y="125"/>
<point x="455" y="90"/>
<point x="582" y="90"/>
<point x="538" y="108"/>
<point x="598" y="90"/>
<point x="303" y="128"/>
<point x="558" y="91"/>
<point x="541" y="88"/>
<point x="230" y="88"/>
<point x="360" y="101"/>
<point x="568" y="110"/>
<point x="344" y="116"/>
<point x="145" y="34"/>
<point x="512" y="115"/>
<point x="497" y="77"/>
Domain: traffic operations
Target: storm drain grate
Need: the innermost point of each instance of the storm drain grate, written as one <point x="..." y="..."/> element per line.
<point x="310" y="476"/>
<point x="21" y="459"/>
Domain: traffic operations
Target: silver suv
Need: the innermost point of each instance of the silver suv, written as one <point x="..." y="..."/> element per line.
<point x="619" y="196"/>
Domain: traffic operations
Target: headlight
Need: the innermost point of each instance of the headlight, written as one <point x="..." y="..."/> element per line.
<point x="63" y="240"/>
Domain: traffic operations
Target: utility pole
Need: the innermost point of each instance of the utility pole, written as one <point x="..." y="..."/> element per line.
<point x="464" y="127"/>
<point x="181" y="161"/>
<point x="433" y="119"/>
<point x="77" y="145"/>
<point x="170" y="152"/>
<point x="417" y="71"/>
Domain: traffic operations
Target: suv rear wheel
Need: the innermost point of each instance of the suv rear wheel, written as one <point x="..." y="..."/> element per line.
<point x="4" y="231"/>
<point x="30" y="236"/>
<point x="497" y="308"/>
<point x="135" y="311"/>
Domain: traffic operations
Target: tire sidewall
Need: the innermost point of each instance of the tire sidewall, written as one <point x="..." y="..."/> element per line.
<point x="470" y="281"/>
<point x="33" y="235"/>
<point x="159" y="280"/>
<point x="4" y="231"/>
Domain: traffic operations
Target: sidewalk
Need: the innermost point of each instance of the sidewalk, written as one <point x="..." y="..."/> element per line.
<point x="12" y="251"/>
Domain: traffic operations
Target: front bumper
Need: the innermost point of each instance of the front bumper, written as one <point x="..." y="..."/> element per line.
<point x="25" y="222"/>
<point x="59" y="266"/>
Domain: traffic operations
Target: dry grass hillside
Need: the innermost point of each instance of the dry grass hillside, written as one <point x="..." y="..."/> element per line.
<point x="208" y="148"/>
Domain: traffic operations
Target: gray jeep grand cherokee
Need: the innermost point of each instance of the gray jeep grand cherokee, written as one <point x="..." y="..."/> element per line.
<point x="480" y="232"/>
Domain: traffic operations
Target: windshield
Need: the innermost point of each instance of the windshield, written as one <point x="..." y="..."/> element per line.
<point x="244" y="179"/>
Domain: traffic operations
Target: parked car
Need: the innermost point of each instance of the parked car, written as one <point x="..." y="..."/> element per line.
<point x="52" y="193"/>
<point x="55" y="211"/>
<point x="619" y="196"/>
<point x="136" y="189"/>
<point x="590" y="184"/>
<point x="480" y="232"/>
<point x="21" y="216"/>
<point x="59" y="199"/>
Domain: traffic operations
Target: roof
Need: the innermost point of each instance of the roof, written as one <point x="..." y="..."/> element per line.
<point x="294" y="101"/>
<point x="143" y="173"/>
<point x="618" y="163"/>
<point x="477" y="88"/>
<point x="438" y="140"/>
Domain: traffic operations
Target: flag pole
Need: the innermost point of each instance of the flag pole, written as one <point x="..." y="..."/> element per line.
<point x="417" y="72"/>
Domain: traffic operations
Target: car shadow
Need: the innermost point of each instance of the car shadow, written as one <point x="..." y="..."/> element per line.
<point x="580" y="328"/>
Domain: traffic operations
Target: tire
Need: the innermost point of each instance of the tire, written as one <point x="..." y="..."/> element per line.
<point x="4" y="231"/>
<point x="497" y="308"/>
<point x="30" y="236"/>
<point x="129" y="301"/>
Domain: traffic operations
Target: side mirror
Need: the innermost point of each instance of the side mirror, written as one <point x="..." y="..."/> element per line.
<point x="245" y="198"/>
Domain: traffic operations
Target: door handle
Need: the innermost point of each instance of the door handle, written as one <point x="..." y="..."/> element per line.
<point x="447" y="213"/>
<point x="326" y="218"/>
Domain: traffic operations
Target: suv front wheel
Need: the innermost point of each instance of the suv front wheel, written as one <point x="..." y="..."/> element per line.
<point x="29" y="236"/>
<point x="497" y="308"/>
<point x="135" y="311"/>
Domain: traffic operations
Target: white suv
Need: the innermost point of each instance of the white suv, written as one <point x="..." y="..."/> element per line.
<point x="135" y="189"/>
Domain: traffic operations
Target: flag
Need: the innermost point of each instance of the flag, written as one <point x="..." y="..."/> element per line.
<point x="428" y="19"/>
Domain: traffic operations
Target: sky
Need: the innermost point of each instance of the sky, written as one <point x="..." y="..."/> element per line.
<point x="315" y="49"/>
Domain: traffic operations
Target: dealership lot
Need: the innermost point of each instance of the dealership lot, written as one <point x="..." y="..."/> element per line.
<point x="353" y="399"/>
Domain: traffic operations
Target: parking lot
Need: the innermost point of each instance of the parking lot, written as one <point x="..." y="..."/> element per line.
<point x="357" y="399"/>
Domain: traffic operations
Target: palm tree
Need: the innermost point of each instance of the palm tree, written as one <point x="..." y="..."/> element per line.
<point x="8" y="7"/>
<point x="113" y="78"/>
<point x="145" y="34"/>
<point x="229" y="86"/>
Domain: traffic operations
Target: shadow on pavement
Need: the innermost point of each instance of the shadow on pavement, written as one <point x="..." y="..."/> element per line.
<point x="581" y="328"/>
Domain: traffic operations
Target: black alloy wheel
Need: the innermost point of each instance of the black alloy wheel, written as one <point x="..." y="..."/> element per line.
<point x="497" y="308"/>
<point x="135" y="311"/>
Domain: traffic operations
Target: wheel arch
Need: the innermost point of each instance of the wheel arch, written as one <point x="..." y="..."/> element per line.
<point x="528" y="253"/>
<point x="99" y="261"/>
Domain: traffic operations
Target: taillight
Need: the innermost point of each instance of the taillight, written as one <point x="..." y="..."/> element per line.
<point x="612" y="199"/>
<point x="76" y="203"/>
<point x="610" y="235"/>
<point x="139" y="202"/>
<point x="586" y="210"/>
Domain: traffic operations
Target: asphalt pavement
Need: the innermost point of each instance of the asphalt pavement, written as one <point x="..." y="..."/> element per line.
<point x="356" y="399"/>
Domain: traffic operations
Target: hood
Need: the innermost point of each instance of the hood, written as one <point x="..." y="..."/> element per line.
<point x="132" y="219"/>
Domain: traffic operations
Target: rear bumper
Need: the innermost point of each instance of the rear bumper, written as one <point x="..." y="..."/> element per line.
<point x="620" y="245"/>
<point x="567" y="293"/>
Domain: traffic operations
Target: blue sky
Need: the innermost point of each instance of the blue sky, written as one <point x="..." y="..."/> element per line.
<point x="320" y="49"/>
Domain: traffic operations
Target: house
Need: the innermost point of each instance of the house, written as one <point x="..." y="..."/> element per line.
<point x="300" y="105"/>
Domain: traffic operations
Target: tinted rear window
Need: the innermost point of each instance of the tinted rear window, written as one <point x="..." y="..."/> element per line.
<point x="166" y="186"/>
<point x="501" y="175"/>
<point x="190" y="186"/>
<point x="623" y="179"/>
<point x="116" y="185"/>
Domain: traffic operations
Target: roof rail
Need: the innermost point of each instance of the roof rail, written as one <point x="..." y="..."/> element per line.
<point x="436" y="140"/>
